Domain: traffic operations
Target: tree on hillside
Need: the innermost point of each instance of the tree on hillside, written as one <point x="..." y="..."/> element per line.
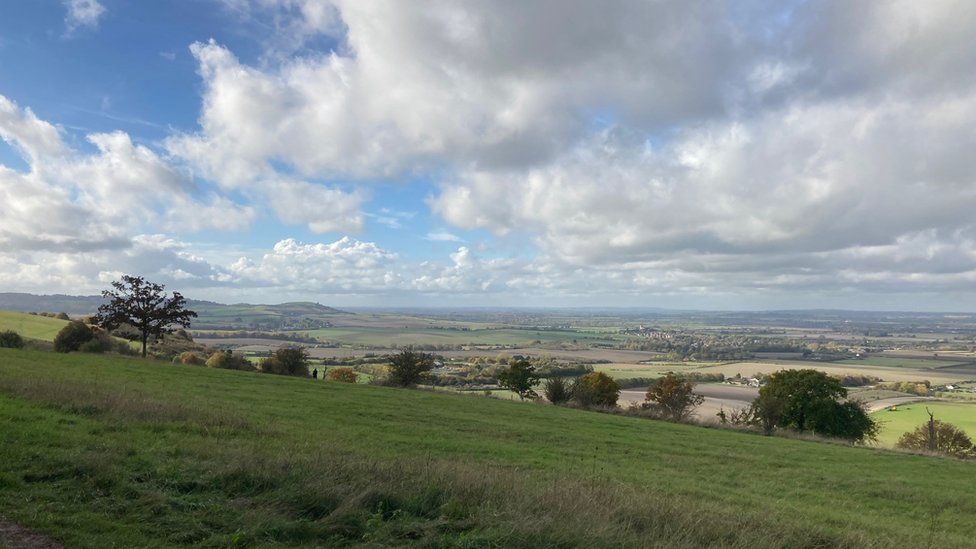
<point x="409" y="367"/>
<point x="145" y="306"/>
<point x="287" y="361"/>
<point x="519" y="378"/>
<point x="674" y="395"/>
<point x="595" y="389"/>
<point x="808" y="400"/>
<point x="938" y="436"/>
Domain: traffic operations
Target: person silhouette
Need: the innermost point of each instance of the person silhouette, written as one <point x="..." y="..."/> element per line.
<point x="315" y="373"/>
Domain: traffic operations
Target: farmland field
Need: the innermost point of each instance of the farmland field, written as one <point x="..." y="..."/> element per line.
<point x="385" y="337"/>
<point x="937" y="376"/>
<point x="900" y="362"/>
<point x="101" y="451"/>
<point x="31" y="326"/>
<point x="909" y="416"/>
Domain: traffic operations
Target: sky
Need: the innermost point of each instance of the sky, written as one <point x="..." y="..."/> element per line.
<point x="689" y="154"/>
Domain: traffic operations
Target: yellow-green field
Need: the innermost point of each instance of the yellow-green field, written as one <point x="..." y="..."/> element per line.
<point x="31" y="326"/>
<point x="907" y="417"/>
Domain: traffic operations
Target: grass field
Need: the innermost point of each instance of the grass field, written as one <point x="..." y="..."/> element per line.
<point x="100" y="451"/>
<point x="31" y="326"/>
<point x="909" y="416"/>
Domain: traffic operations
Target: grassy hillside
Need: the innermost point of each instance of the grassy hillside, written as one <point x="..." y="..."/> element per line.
<point x="101" y="451"/>
<point x="31" y="326"/>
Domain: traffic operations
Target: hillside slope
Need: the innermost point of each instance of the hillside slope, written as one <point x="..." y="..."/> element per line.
<point x="31" y="326"/>
<point x="100" y="451"/>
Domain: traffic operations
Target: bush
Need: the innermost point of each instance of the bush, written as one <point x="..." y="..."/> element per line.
<point x="190" y="359"/>
<point x="595" y="389"/>
<point x="556" y="390"/>
<point x="674" y="396"/>
<point x="287" y="361"/>
<point x="409" y="367"/>
<point x="72" y="337"/>
<point x="10" y="339"/>
<point x="229" y="361"/>
<point x="100" y="343"/>
<point x="344" y="375"/>
<point x="949" y="439"/>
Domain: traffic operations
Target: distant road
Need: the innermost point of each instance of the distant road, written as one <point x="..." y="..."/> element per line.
<point x="717" y="397"/>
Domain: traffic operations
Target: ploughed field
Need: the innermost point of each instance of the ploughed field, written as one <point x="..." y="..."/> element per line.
<point x="100" y="451"/>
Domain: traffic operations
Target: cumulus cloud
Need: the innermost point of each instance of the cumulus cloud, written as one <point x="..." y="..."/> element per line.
<point x="627" y="148"/>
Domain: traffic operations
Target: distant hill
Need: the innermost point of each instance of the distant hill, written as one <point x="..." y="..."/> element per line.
<point x="299" y="315"/>
<point x="58" y="303"/>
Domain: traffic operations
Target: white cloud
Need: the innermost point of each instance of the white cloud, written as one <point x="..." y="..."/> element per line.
<point x="82" y="13"/>
<point x="443" y="236"/>
<point x="80" y="202"/>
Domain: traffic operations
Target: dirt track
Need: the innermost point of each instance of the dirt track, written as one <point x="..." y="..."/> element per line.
<point x="15" y="536"/>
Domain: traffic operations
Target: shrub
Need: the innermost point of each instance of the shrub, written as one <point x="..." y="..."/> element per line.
<point x="674" y="395"/>
<point x="191" y="359"/>
<point x="595" y="389"/>
<point x="556" y="390"/>
<point x="72" y="336"/>
<point x="948" y="439"/>
<point x="409" y="367"/>
<point x="11" y="340"/>
<point x="99" y="343"/>
<point x="229" y="361"/>
<point x="344" y="375"/>
<point x="287" y="361"/>
<point x="62" y="316"/>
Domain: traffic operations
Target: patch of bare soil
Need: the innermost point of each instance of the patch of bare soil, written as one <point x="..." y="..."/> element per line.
<point x="15" y="536"/>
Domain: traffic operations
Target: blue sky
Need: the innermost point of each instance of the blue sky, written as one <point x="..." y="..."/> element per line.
<point x="558" y="153"/>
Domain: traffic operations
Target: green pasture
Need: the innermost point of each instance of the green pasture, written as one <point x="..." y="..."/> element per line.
<point x="120" y="452"/>
<point x="909" y="416"/>
<point x="31" y="326"/>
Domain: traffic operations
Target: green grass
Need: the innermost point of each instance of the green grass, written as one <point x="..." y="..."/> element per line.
<point x="909" y="416"/>
<point x="101" y="451"/>
<point x="899" y="362"/>
<point x="31" y="326"/>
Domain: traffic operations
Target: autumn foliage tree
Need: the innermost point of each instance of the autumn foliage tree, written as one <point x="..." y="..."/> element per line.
<point x="674" y="396"/>
<point x="343" y="375"/>
<point x="595" y="389"/>
<point x="145" y="306"/>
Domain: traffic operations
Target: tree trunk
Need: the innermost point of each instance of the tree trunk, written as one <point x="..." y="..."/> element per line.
<point x="931" y="441"/>
<point x="144" y="338"/>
